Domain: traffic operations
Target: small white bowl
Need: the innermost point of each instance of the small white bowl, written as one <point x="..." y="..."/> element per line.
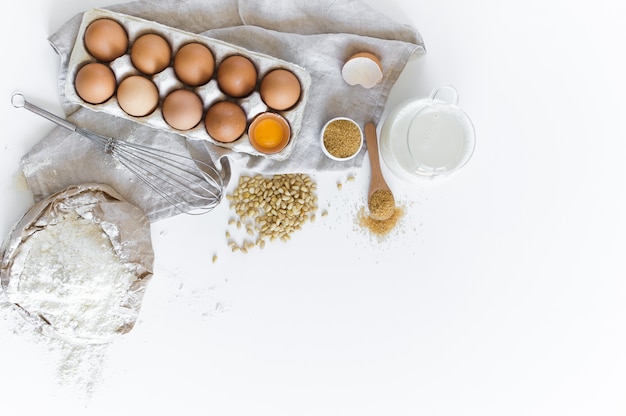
<point x="333" y="157"/>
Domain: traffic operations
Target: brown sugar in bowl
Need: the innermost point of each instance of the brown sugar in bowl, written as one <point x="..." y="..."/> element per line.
<point x="341" y="139"/>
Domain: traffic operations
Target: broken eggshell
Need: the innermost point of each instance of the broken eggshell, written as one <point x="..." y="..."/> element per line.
<point x="362" y="69"/>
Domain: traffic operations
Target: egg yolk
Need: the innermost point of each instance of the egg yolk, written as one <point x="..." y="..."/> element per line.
<point x="268" y="133"/>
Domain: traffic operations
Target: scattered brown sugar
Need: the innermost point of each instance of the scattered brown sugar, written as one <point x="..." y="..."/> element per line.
<point x="342" y="138"/>
<point x="380" y="228"/>
<point x="381" y="204"/>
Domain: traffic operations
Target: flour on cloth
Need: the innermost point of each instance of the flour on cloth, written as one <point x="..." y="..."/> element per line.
<point x="319" y="36"/>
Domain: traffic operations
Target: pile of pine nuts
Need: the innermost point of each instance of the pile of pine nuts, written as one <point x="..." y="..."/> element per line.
<point x="271" y="208"/>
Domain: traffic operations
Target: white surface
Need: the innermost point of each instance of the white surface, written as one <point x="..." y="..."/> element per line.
<point x="503" y="293"/>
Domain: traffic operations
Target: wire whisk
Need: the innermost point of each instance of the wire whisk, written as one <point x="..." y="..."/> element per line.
<point x="190" y="185"/>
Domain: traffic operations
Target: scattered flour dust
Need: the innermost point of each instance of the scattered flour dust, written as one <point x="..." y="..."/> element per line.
<point x="70" y="280"/>
<point x="78" y="368"/>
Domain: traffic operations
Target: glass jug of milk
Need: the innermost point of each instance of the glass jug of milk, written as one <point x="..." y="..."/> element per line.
<point x="427" y="137"/>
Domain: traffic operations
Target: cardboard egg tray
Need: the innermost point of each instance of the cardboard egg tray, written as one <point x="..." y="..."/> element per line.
<point x="166" y="81"/>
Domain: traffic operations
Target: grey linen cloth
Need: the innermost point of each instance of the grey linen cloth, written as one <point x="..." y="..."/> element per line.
<point x="316" y="35"/>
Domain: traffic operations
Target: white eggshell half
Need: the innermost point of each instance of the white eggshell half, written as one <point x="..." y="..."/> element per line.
<point x="362" y="69"/>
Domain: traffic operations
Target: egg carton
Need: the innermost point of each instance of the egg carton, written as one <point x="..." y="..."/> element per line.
<point x="167" y="81"/>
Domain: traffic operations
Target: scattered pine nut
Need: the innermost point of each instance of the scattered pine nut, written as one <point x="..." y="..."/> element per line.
<point x="273" y="207"/>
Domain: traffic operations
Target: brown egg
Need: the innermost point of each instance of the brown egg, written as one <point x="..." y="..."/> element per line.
<point x="137" y="95"/>
<point x="280" y="89"/>
<point x="236" y="76"/>
<point x="95" y="83"/>
<point x="194" y="64"/>
<point x="106" y="39"/>
<point x="151" y="53"/>
<point x="182" y="109"/>
<point x="225" y="121"/>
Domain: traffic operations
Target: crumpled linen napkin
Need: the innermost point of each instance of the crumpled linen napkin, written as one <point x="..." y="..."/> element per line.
<point x="319" y="36"/>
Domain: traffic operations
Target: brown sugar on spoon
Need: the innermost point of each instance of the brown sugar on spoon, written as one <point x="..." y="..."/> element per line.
<point x="382" y="214"/>
<point x="381" y="204"/>
<point x="380" y="199"/>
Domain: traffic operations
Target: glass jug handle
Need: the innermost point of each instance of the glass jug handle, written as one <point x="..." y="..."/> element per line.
<point x="445" y="93"/>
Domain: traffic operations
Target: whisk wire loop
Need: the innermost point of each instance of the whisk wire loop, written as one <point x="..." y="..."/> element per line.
<point x="190" y="185"/>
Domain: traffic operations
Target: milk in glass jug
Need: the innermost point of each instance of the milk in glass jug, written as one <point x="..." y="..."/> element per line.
<point x="427" y="137"/>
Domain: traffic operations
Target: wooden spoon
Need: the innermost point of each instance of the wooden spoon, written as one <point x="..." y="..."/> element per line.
<point x="380" y="199"/>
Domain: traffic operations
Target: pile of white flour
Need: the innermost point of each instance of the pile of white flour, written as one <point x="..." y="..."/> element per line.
<point x="72" y="279"/>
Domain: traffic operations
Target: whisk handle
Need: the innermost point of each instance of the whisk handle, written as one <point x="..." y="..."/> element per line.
<point x="19" y="101"/>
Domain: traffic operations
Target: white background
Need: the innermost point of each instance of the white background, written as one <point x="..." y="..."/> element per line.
<point x="502" y="292"/>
